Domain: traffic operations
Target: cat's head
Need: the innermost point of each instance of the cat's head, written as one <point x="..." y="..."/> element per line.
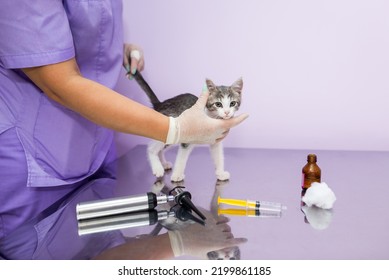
<point x="224" y="101"/>
<point x="231" y="253"/>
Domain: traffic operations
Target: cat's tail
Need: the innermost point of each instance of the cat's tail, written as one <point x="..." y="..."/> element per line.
<point x="146" y="88"/>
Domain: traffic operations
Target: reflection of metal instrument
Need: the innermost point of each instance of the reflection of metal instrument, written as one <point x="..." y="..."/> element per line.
<point x="134" y="219"/>
<point x="133" y="211"/>
<point x="121" y="221"/>
<point x="183" y="198"/>
<point x="185" y="214"/>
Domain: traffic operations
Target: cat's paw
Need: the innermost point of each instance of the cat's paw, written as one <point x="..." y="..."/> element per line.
<point x="223" y="175"/>
<point x="158" y="186"/>
<point x="177" y="177"/>
<point x="158" y="171"/>
<point x="167" y="165"/>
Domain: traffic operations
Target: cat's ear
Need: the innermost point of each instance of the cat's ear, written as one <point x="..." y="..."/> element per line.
<point x="210" y="85"/>
<point x="237" y="86"/>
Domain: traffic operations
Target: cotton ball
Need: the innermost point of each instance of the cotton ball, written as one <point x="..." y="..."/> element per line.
<point x="320" y="195"/>
<point x="318" y="218"/>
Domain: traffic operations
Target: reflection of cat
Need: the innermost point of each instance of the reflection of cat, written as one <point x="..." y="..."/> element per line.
<point x="222" y="103"/>
<point x="172" y="223"/>
<point x="231" y="253"/>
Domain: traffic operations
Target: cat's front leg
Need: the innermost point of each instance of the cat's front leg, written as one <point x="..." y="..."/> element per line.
<point x="153" y="151"/>
<point x="183" y="153"/>
<point x="167" y="165"/>
<point x="217" y="154"/>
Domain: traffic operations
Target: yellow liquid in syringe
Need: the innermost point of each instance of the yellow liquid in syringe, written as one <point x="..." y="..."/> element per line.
<point x="249" y="213"/>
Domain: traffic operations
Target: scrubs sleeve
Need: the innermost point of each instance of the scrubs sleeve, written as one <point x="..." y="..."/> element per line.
<point x="34" y="33"/>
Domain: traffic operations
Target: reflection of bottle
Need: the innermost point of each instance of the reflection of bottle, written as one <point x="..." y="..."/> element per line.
<point x="311" y="172"/>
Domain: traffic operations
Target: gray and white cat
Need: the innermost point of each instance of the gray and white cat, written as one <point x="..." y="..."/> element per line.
<point x="222" y="103"/>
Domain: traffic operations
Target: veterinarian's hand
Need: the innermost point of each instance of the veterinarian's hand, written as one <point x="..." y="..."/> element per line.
<point x="194" y="126"/>
<point x="133" y="63"/>
<point x="197" y="240"/>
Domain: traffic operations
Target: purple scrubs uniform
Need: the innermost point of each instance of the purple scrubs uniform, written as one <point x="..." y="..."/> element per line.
<point x="47" y="150"/>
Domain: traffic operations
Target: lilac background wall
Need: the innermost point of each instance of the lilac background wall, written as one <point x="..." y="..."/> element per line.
<point x="316" y="73"/>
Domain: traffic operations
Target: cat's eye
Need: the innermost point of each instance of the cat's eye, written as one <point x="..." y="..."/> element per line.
<point x="219" y="104"/>
<point x="233" y="103"/>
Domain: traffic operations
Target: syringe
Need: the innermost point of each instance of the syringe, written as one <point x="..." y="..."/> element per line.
<point x="249" y="213"/>
<point x="251" y="204"/>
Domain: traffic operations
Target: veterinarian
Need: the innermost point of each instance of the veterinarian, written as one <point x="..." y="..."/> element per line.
<point x="59" y="61"/>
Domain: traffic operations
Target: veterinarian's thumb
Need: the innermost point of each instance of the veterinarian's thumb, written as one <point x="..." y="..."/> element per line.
<point x="236" y="120"/>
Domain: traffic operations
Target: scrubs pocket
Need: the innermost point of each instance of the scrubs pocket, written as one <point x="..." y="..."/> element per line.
<point x="64" y="141"/>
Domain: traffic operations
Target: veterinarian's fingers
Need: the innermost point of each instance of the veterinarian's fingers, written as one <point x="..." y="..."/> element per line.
<point x="237" y="241"/>
<point x="226" y="228"/>
<point x="126" y="65"/>
<point x="222" y="220"/>
<point x="223" y="135"/>
<point x="202" y="101"/>
<point x="126" y="60"/>
<point x="141" y="64"/>
<point x="134" y="65"/>
<point x="236" y="120"/>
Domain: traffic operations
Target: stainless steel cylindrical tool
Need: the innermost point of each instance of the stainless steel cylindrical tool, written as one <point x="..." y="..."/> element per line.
<point x="114" y="206"/>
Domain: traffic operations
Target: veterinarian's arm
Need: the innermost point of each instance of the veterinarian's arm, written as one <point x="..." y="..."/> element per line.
<point x="147" y="248"/>
<point x="63" y="83"/>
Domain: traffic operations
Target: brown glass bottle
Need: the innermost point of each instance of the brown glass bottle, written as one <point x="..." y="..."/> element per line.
<point x="311" y="172"/>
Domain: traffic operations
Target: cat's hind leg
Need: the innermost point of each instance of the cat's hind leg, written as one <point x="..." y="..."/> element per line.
<point x="153" y="152"/>
<point x="217" y="154"/>
<point x="183" y="153"/>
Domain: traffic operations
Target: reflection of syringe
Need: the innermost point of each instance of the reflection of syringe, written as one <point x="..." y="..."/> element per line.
<point x="251" y="204"/>
<point x="249" y="213"/>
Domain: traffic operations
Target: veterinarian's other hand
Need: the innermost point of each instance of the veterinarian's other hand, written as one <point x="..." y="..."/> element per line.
<point x="132" y="64"/>
<point x="197" y="240"/>
<point x="194" y="126"/>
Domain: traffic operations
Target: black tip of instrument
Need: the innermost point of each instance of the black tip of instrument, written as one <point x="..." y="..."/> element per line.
<point x="187" y="202"/>
<point x="185" y="214"/>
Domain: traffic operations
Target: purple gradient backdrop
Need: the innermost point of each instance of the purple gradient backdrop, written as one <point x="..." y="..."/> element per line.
<point x="315" y="72"/>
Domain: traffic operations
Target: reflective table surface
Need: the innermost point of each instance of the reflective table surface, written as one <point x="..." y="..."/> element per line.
<point x="356" y="228"/>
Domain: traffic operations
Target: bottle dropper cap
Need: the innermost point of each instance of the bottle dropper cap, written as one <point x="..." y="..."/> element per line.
<point x="312" y="158"/>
